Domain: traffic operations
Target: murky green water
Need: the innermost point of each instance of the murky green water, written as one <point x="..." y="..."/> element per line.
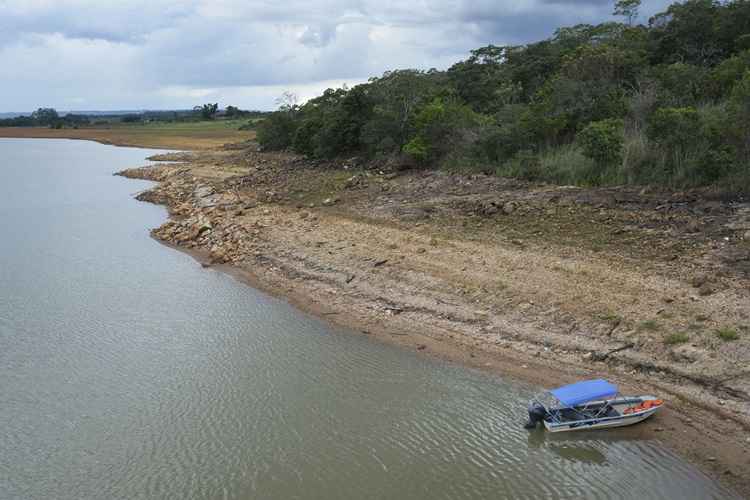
<point x="128" y="371"/>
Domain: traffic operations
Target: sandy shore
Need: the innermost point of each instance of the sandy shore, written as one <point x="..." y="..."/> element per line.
<point x="548" y="285"/>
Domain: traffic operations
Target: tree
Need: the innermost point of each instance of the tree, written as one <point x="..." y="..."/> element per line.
<point x="233" y="112"/>
<point x="287" y="101"/>
<point x="602" y="142"/>
<point x="207" y="111"/>
<point x="45" y="116"/>
<point x="627" y="9"/>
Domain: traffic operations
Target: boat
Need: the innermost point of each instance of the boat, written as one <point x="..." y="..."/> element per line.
<point x="590" y="404"/>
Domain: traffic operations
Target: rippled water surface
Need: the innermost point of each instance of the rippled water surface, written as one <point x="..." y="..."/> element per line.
<point x="128" y="371"/>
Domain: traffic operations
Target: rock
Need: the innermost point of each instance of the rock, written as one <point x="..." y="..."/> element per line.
<point x="421" y="250"/>
<point x="693" y="226"/>
<point x="219" y="256"/>
<point x="206" y="226"/>
<point x="746" y="236"/>
<point x="509" y="207"/>
<point x="699" y="280"/>
<point x="203" y="191"/>
<point x="687" y="353"/>
<point x="380" y="263"/>
<point x="329" y="201"/>
<point x="266" y="212"/>
<point x="421" y="347"/>
<point x="487" y="208"/>
<point x="706" y="289"/>
<point x="304" y="215"/>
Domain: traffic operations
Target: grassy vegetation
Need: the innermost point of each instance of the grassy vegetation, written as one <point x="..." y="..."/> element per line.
<point x="649" y="325"/>
<point x="610" y="317"/>
<point x="676" y="338"/>
<point x="727" y="334"/>
<point x="166" y="135"/>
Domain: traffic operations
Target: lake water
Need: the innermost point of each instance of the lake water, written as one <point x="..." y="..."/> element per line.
<point x="128" y="371"/>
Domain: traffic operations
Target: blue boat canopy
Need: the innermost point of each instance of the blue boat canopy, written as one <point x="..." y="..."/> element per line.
<point x="582" y="392"/>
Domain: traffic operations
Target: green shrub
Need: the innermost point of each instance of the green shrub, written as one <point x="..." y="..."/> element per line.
<point x="276" y="131"/>
<point x="650" y="325"/>
<point x="739" y="113"/>
<point x="418" y="149"/>
<point x="676" y="338"/>
<point x="675" y="128"/>
<point x="727" y="74"/>
<point x="727" y="334"/>
<point x="439" y="125"/>
<point x="525" y="165"/>
<point x="602" y="142"/>
<point x="568" y="165"/>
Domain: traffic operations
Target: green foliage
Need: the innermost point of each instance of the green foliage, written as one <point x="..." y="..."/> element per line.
<point x="675" y="128"/>
<point x="676" y="338"/>
<point x="207" y="111"/>
<point x="602" y="142"/>
<point x="667" y="104"/>
<point x="739" y="114"/>
<point x="628" y="9"/>
<point x="727" y="334"/>
<point x="439" y="127"/>
<point x="276" y="132"/>
<point x="45" y="116"/>
<point x="681" y="84"/>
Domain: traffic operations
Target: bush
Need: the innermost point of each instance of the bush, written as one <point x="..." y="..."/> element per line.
<point x="525" y="165"/>
<point x="675" y="128"/>
<point x="727" y="334"/>
<point x="276" y="131"/>
<point x="676" y="338"/>
<point x="739" y="113"/>
<point x="602" y="142"/>
<point x="438" y="127"/>
<point x="567" y="165"/>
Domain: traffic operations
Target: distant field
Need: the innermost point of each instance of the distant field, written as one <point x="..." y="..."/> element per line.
<point x="187" y="135"/>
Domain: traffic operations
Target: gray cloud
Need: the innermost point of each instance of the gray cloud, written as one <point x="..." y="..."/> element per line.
<point x="174" y="53"/>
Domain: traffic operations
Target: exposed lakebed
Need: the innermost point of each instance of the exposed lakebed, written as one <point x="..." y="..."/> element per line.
<point x="128" y="371"/>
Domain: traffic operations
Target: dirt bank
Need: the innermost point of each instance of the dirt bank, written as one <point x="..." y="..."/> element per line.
<point x="550" y="284"/>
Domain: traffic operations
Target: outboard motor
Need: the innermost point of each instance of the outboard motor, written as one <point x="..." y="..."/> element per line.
<point x="537" y="413"/>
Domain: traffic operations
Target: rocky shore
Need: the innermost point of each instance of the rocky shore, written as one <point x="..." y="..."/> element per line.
<point x="546" y="283"/>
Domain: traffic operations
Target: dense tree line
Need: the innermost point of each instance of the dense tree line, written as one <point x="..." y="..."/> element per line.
<point x="45" y="117"/>
<point x="619" y="102"/>
<point x="49" y="117"/>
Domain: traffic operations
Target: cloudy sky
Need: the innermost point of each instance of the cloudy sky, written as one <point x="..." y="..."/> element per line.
<point x="167" y="54"/>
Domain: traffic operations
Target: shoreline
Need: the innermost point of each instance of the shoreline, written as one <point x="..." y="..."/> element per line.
<point x="712" y="449"/>
<point x="714" y="457"/>
<point x="714" y="444"/>
<point x="132" y="137"/>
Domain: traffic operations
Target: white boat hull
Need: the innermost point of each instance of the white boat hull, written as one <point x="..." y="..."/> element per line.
<point x="600" y="423"/>
<point x="625" y="415"/>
